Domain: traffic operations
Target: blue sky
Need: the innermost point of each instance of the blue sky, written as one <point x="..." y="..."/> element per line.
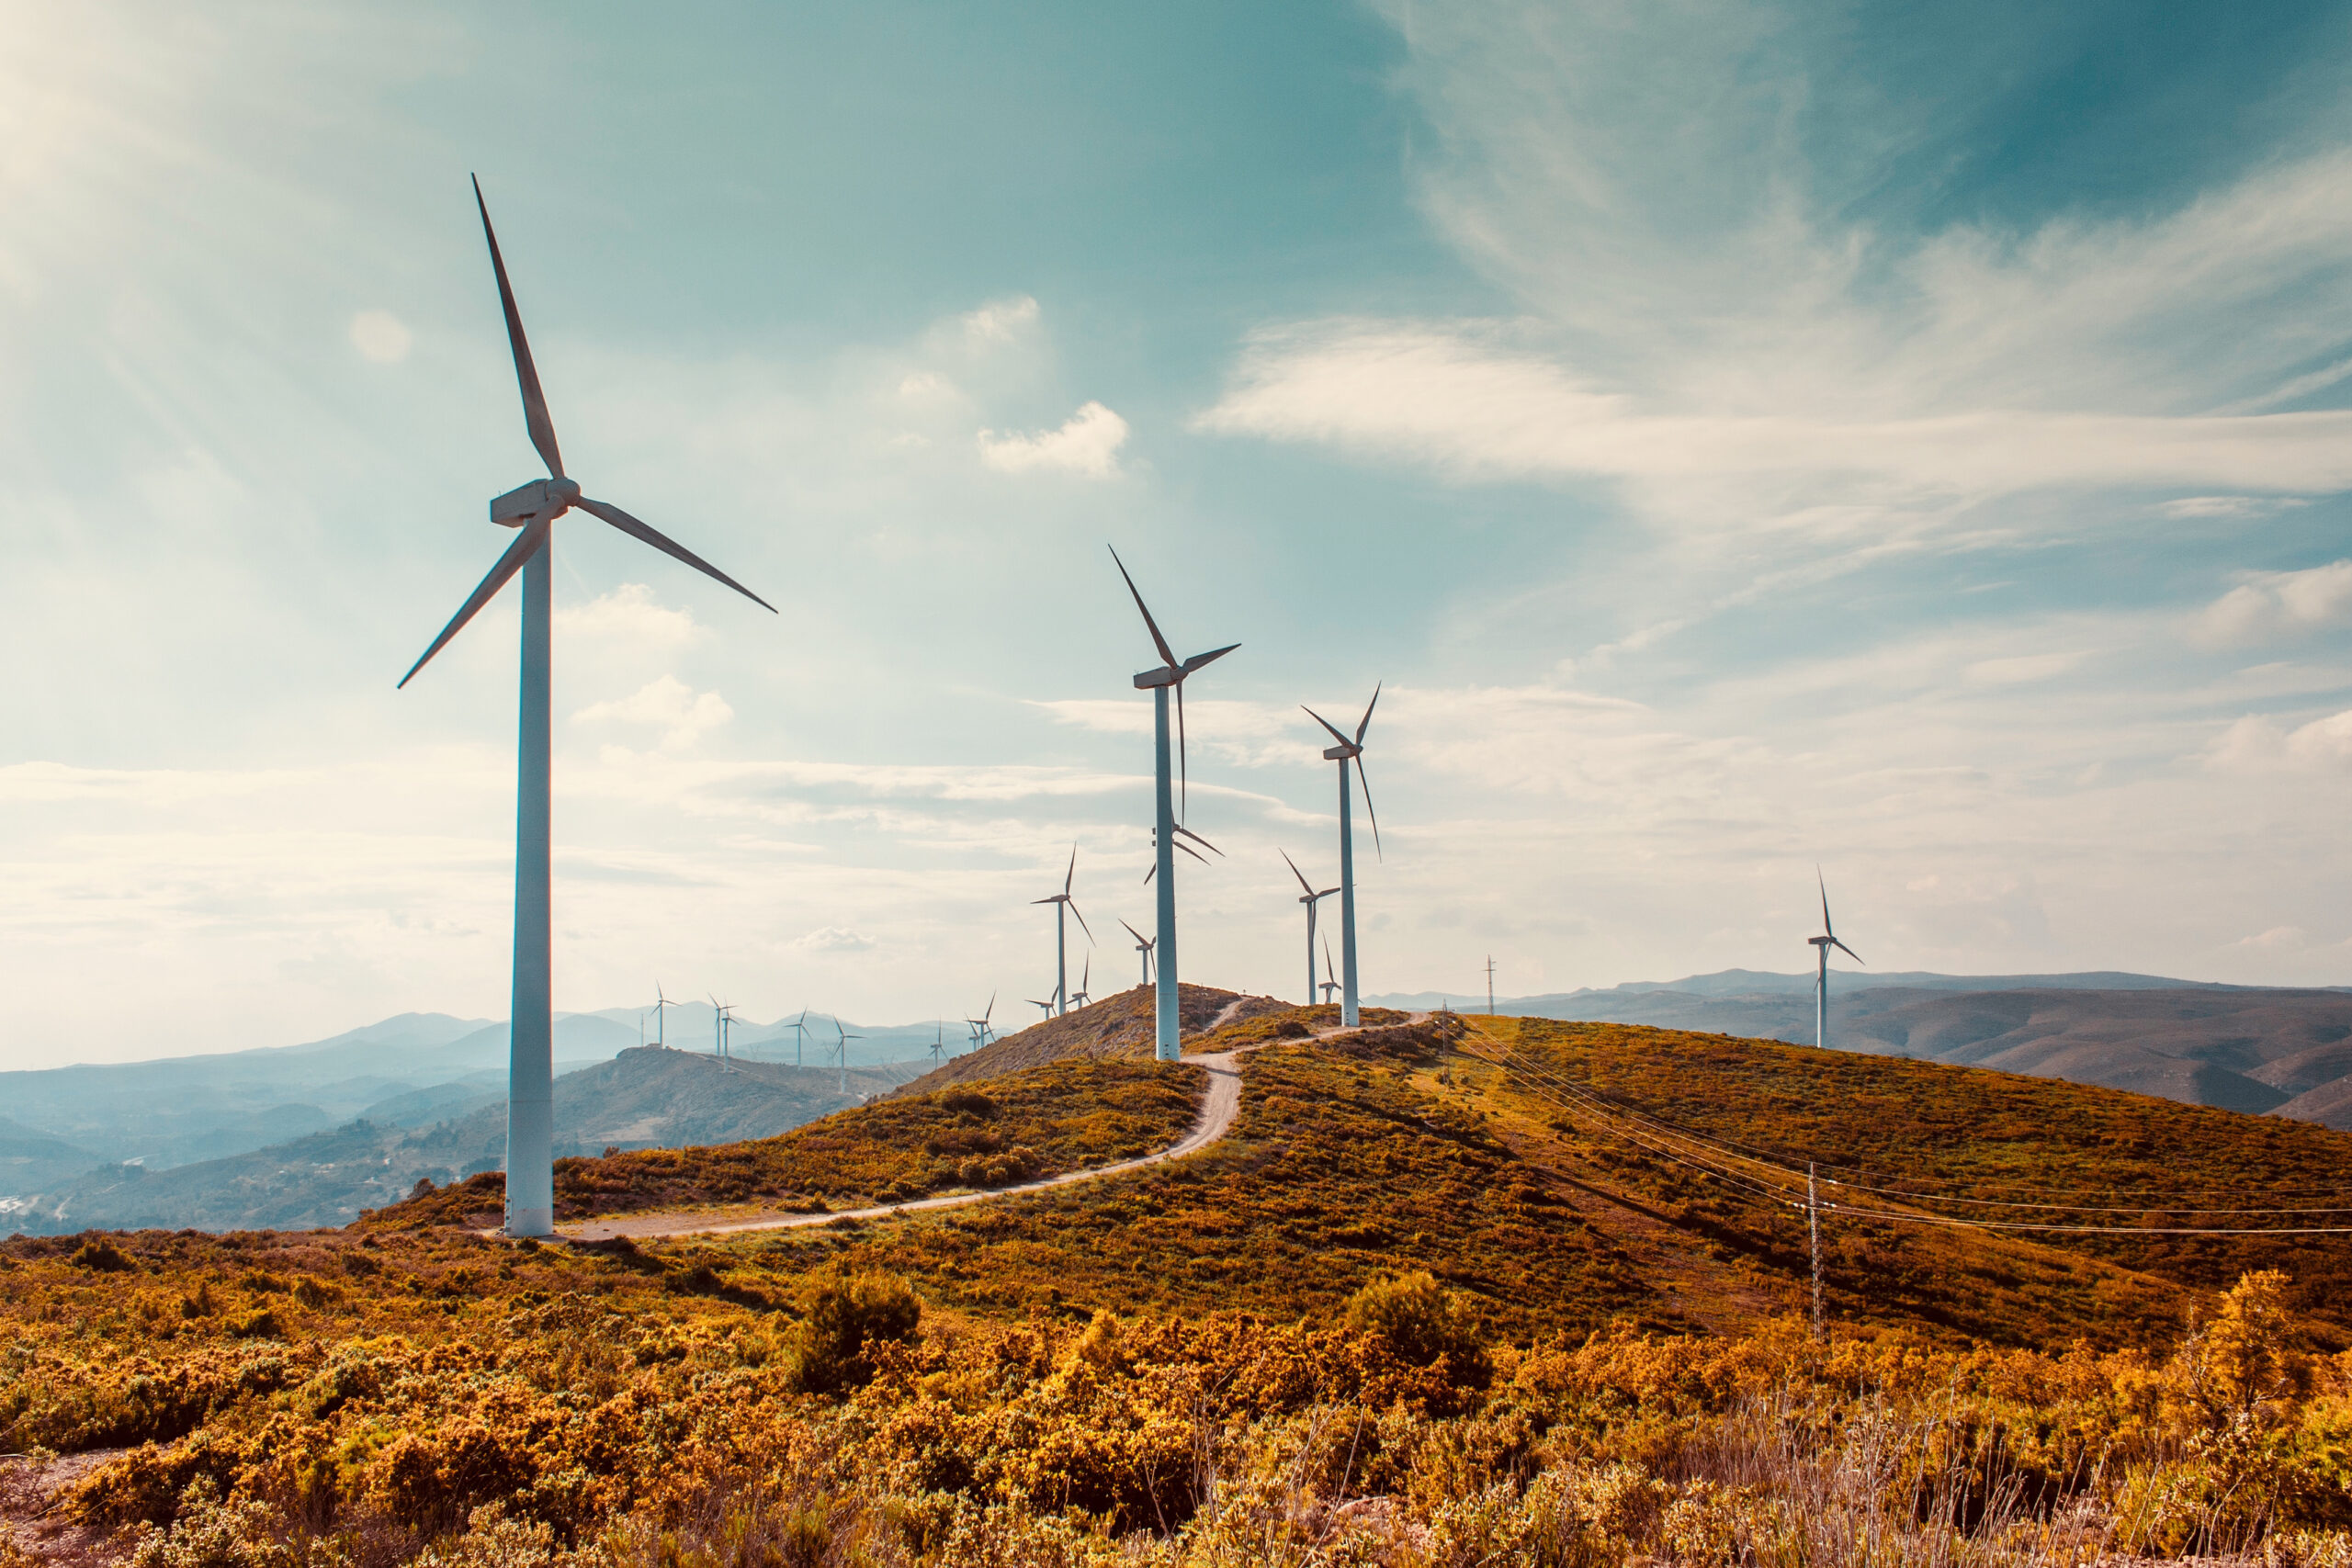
<point x="1739" y="435"/>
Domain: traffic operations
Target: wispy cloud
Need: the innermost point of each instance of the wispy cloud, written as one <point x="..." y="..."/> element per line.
<point x="2279" y="604"/>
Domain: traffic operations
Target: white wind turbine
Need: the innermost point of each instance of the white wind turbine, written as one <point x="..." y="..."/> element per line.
<point x="1063" y="904"/>
<point x="1310" y="897"/>
<point x="1348" y="751"/>
<point x="1171" y="676"/>
<point x="532" y="509"/>
<point x="844" y="1048"/>
<point x="1143" y="950"/>
<point x="1821" y="946"/>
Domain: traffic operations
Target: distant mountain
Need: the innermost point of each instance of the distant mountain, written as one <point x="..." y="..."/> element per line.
<point x="2248" y="1048"/>
<point x="643" y="1098"/>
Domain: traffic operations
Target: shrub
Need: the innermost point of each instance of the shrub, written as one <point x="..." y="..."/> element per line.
<point x="840" y="1317"/>
<point x="101" y="1256"/>
<point x="1421" y="1322"/>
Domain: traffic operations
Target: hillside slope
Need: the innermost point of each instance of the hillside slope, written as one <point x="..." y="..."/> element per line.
<point x="2240" y="1048"/>
<point x="648" y="1096"/>
<point x="1118" y="1027"/>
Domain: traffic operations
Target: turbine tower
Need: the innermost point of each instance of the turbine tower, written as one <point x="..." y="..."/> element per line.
<point x="722" y="1018"/>
<point x="1170" y="675"/>
<point x="1062" y="905"/>
<point x="1143" y="950"/>
<point x="1348" y="751"/>
<point x="532" y="509"/>
<point x="1821" y="946"/>
<point x="1310" y="897"/>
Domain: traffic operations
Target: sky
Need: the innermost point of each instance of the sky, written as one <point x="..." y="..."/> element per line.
<point x="1736" y="437"/>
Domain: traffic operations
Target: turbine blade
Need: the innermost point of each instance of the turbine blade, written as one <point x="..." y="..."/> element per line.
<point x="535" y="404"/>
<point x="1303" y="884"/>
<point x="1827" y="930"/>
<point x="1850" y="951"/>
<point x="1081" y="923"/>
<point x="1071" y="872"/>
<point x="1327" y="724"/>
<point x="1194" y="852"/>
<point x="647" y="535"/>
<point x="1167" y="654"/>
<point x="1151" y="872"/>
<point x="1132" y="932"/>
<point x="1188" y="833"/>
<point x="1367" y="714"/>
<point x="1211" y="657"/>
<point x="532" y="535"/>
<point x="1368" y="811"/>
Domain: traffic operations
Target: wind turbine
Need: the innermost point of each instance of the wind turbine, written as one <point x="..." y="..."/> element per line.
<point x="1183" y="833"/>
<point x="722" y="1017"/>
<point x="1143" y="949"/>
<point x="982" y="1030"/>
<point x="1048" y="1005"/>
<point x="1329" y="985"/>
<point x="661" y="1007"/>
<point x="532" y="509"/>
<point x="1061" y="903"/>
<point x="1821" y="946"/>
<point x="844" y="1048"/>
<point x="1310" y="897"/>
<point x="1348" y="751"/>
<point x="1085" y="975"/>
<point x="799" y="1036"/>
<point x="938" y="1042"/>
<point x="1170" y="675"/>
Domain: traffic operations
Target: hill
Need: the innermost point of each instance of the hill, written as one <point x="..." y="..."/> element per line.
<point x="2241" y="1048"/>
<point x="643" y="1097"/>
<point x="1119" y="1028"/>
<point x="1215" y="1360"/>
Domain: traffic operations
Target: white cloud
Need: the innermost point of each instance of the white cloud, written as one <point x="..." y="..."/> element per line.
<point x="2276" y="604"/>
<point x="381" y="336"/>
<point x="627" y="615"/>
<point x="683" y="713"/>
<point x="2275" y="938"/>
<point x="1087" y="443"/>
<point x="2257" y="745"/>
<point x="1000" y="320"/>
<point x="2019" y="670"/>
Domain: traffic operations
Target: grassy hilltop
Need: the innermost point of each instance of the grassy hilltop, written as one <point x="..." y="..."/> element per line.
<point x="1427" y="1304"/>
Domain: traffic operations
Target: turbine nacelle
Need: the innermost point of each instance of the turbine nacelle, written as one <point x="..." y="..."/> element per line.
<point x="540" y="498"/>
<point x="1341" y="753"/>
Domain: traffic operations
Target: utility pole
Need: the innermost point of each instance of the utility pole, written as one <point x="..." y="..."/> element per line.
<point x="1490" y="985"/>
<point x="1813" y="1225"/>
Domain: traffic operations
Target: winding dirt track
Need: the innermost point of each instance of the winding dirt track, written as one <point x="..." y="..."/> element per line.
<point x="1218" y="1107"/>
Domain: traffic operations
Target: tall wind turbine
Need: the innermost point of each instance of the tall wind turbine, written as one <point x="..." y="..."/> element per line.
<point x="1170" y="675"/>
<point x="1062" y="905"/>
<point x="799" y="1036"/>
<point x="661" y="1007"/>
<point x="1329" y="985"/>
<point x="532" y="509"/>
<point x="1143" y="950"/>
<point x="1821" y="946"/>
<point x="1348" y="751"/>
<point x="1310" y="897"/>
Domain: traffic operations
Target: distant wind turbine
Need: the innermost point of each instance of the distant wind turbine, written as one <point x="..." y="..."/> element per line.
<point x="1170" y="675"/>
<point x="1062" y="904"/>
<point x="799" y="1036"/>
<point x="1086" y="974"/>
<point x="1329" y="985"/>
<point x="1310" y="897"/>
<point x="1348" y="751"/>
<point x="532" y="509"/>
<point x="938" y="1040"/>
<point x="1821" y="946"/>
<point x="982" y="1030"/>
<point x="844" y="1048"/>
<point x="723" y="1018"/>
<point x="1048" y="1005"/>
<point x="1143" y="949"/>
<point x="661" y="1007"/>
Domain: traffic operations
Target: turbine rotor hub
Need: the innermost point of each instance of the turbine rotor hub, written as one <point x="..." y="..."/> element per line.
<point x="540" y="498"/>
